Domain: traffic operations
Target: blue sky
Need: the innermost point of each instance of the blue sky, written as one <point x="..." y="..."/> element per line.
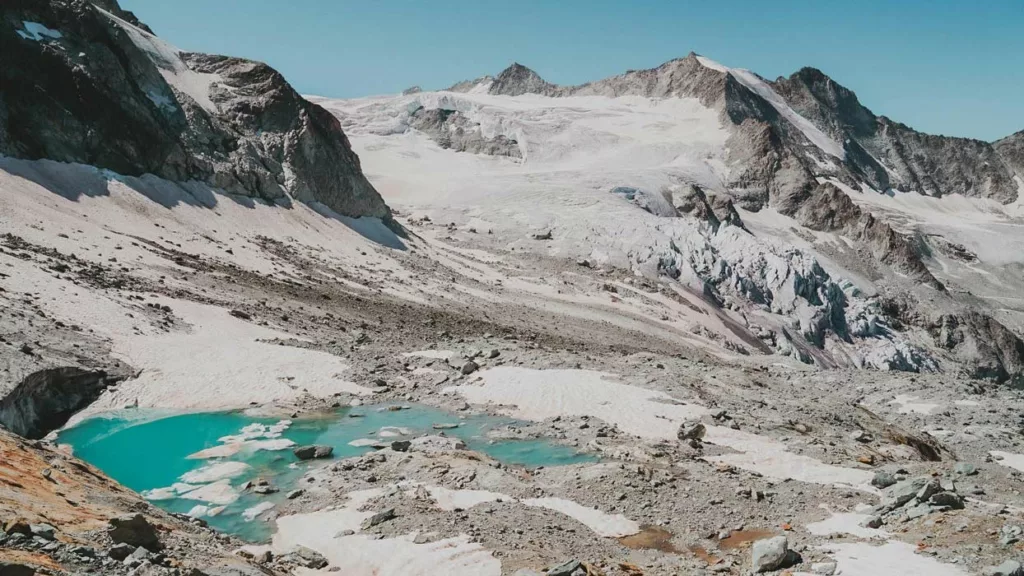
<point x="941" y="66"/>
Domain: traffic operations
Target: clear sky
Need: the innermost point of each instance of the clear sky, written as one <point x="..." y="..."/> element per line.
<point x="952" y="67"/>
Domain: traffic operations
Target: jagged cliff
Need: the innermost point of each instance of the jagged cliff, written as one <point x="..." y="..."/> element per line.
<point x="89" y="83"/>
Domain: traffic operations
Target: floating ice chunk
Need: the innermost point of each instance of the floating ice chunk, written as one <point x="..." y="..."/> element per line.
<point x="214" y="472"/>
<point x="250" y="514"/>
<point x="220" y="493"/>
<point x="225" y="450"/>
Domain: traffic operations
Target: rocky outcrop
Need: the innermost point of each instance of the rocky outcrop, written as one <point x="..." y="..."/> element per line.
<point x="452" y="130"/>
<point x="518" y="79"/>
<point x="774" y="152"/>
<point x="94" y="86"/>
<point x="828" y="209"/>
<point x="888" y="154"/>
<point x="989" y="349"/>
<point x="86" y="523"/>
<point x="46" y="399"/>
<point x="1011" y="150"/>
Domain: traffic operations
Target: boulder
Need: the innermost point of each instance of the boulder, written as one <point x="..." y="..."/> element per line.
<point x="950" y="499"/>
<point x="44" y="531"/>
<point x="379" y="518"/>
<point x="883" y="479"/>
<point x="120" y="551"/>
<point x="308" y="558"/>
<point x="135" y="530"/>
<point x="1008" y="568"/>
<point x="571" y="568"/>
<point x="691" y="431"/>
<point x="401" y="445"/>
<point x="902" y="492"/>
<point x="772" y="554"/>
<point x="313" y="451"/>
<point x="469" y="367"/>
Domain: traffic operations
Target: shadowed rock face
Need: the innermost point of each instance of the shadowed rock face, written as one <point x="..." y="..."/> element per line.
<point x="452" y="130"/>
<point x="44" y="400"/>
<point x="102" y="90"/>
<point x="989" y="348"/>
<point x="1011" y="150"/>
<point x="934" y="165"/>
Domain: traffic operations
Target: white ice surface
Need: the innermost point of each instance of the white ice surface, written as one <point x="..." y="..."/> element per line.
<point x="846" y="523"/>
<point x="601" y="523"/>
<point x="215" y="471"/>
<point x="251" y="513"/>
<point x="912" y="404"/>
<point x="890" y="559"/>
<point x="1009" y="459"/>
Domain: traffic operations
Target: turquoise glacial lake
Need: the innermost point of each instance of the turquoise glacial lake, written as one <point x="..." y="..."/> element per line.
<point x="163" y="458"/>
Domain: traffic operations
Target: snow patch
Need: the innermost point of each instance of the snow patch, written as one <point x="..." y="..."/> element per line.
<point x="1009" y="459"/>
<point x="602" y="524"/>
<point x="37" y="32"/>
<point x="863" y="559"/>
<point x="360" y="554"/>
<point x="805" y="126"/>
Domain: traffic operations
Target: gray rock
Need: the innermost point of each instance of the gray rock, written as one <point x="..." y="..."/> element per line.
<point x="883" y="479"/>
<point x="44" y="531"/>
<point x="120" y="551"/>
<point x="824" y="568"/>
<point x="295" y="494"/>
<point x="134" y="530"/>
<point x="931" y="487"/>
<point x="1010" y="534"/>
<point x="379" y="518"/>
<point x="919" y="510"/>
<point x="313" y="451"/>
<point x="691" y="431"/>
<point x="308" y="557"/>
<point x="949" y="499"/>
<point x="965" y="469"/>
<point x="1008" y="568"/>
<point x="872" y="522"/>
<point x="469" y="367"/>
<point x="902" y="492"/>
<point x="401" y="445"/>
<point x="772" y="554"/>
<point x="568" y="568"/>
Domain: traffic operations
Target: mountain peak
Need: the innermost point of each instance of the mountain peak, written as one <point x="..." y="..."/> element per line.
<point x="518" y="79"/>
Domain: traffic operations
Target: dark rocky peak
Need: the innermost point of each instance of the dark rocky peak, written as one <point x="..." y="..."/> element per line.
<point x="518" y="79"/>
<point x="1011" y="150"/>
<point x="120" y="98"/>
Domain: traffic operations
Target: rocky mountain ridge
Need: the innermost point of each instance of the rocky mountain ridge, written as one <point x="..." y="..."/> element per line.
<point x="781" y="154"/>
<point x="91" y="84"/>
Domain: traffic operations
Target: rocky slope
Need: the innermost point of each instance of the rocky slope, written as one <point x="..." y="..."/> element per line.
<point x="59" y="515"/>
<point x="92" y="85"/>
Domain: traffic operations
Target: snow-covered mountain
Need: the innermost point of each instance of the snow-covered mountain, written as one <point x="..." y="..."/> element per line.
<point x="825" y="231"/>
